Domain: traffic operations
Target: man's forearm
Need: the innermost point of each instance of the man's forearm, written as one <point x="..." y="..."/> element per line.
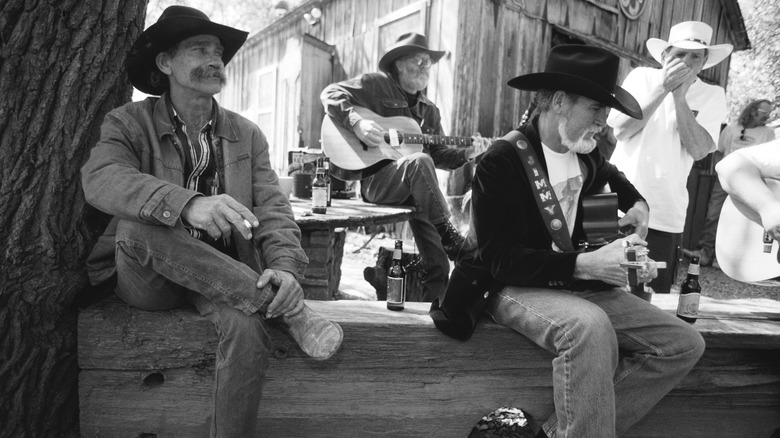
<point x="693" y="137"/>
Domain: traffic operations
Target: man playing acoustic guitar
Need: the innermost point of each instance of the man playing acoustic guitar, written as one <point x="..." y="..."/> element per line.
<point x="750" y="220"/>
<point x="409" y="179"/>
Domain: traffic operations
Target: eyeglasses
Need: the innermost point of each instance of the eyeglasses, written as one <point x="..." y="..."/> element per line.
<point x="421" y="62"/>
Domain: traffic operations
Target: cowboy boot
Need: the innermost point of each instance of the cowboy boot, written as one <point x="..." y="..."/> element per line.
<point x="451" y="239"/>
<point x="317" y="337"/>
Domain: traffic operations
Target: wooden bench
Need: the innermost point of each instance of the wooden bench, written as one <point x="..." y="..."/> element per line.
<point x="150" y="374"/>
<point x="323" y="238"/>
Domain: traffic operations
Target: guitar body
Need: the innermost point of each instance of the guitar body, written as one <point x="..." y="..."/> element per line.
<point x="739" y="243"/>
<point x="599" y="221"/>
<point x="355" y="160"/>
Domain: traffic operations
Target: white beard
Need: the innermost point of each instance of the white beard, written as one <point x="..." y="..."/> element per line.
<point x="583" y="145"/>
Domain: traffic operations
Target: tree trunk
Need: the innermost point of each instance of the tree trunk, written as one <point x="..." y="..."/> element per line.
<point x="61" y="71"/>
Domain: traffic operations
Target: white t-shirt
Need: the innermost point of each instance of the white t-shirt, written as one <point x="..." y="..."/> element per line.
<point x="565" y="175"/>
<point x="732" y="138"/>
<point x="654" y="159"/>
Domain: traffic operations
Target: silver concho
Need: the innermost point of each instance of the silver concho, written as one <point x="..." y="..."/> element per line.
<point x="556" y="224"/>
<point x="522" y="145"/>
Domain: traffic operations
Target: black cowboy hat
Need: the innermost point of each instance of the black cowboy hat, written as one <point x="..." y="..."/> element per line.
<point x="405" y="44"/>
<point x="585" y="70"/>
<point x="176" y="23"/>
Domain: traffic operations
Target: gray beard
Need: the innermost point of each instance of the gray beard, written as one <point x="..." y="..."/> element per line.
<point x="415" y="82"/>
<point x="583" y="145"/>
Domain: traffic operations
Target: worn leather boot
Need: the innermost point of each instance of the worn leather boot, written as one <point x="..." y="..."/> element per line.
<point x="451" y="239"/>
<point x="317" y="337"/>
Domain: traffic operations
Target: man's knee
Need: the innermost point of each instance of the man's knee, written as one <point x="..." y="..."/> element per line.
<point x="421" y="160"/>
<point x="592" y="329"/>
<point x="691" y="343"/>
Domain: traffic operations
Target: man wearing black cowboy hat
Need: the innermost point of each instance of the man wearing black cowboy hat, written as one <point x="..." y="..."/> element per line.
<point x="398" y="91"/>
<point x="198" y="214"/>
<point x="616" y="355"/>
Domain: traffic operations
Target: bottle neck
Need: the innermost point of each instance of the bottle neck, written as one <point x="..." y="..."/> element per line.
<point x="693" y="270"/>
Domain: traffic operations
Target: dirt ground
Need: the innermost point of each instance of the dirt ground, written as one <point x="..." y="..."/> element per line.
<point x="360" y="250"/>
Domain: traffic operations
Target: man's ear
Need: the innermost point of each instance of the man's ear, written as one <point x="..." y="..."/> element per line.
<point x="162" y="60"/>
<point x="558" y="100"/>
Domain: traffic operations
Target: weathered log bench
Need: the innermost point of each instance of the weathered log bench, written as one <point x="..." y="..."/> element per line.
<point x="147" y="374"/>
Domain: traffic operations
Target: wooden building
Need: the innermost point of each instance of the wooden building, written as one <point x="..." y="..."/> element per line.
<point x="277" y="76"/>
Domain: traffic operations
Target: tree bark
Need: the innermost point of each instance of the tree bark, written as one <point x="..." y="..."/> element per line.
<point x="61" y="71"/>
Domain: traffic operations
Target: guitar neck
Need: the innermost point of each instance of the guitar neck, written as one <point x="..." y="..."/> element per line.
<point x="437" y="139"/>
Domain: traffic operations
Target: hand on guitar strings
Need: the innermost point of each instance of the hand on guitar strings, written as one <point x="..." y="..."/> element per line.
<point x="369" y="132"/>
<point x="478" y="146"/>
<point x="637" y="218"/>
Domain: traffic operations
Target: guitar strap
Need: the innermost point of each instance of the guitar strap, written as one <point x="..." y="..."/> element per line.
<point x="546" y="200"/>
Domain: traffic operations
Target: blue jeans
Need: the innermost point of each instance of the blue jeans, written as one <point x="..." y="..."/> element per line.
<point x="411" y="180"/>
<point x="616" y="355"/>
<point x="161" y="268"/>
<point x="714" y="206"/>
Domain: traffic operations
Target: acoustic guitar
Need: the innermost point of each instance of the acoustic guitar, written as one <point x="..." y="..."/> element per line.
<point x="739" y="243"/>
<point x="354" y="160"/>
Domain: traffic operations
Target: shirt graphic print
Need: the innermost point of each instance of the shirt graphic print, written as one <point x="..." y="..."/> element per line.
<point x="565" y="175"/>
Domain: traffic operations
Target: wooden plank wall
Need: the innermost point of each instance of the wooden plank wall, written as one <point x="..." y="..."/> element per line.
<point x="503" y="39"/>
<point x="488" y="43"/>
<point x="350" y="25"/>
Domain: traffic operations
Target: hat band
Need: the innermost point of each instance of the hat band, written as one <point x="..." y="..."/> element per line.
<point x="695" y="40"/>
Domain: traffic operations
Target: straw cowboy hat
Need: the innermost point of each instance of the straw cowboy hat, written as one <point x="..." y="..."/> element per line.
<point x="690" y="35"/>
<point x="176" y="23"/>
<point x="404" y="45"/>
<point x="585" y="70"/>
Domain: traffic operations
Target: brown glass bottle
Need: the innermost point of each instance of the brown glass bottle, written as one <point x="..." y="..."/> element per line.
<point x="396" y="280"/>
<point x="690" y="292"/>
<point x="319" y="194"/>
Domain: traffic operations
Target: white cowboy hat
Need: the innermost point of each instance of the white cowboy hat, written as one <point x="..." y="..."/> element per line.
<point x="690" y="35"/>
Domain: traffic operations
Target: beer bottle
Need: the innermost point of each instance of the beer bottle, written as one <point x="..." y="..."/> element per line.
<point x="396" y="280"/>
<point x="690" y="292"/>
<point x="326" y="169"/>
<point x="319" y="196"/>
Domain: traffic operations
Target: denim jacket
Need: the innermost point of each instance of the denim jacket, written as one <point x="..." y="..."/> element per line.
<point x="136" y="172"/>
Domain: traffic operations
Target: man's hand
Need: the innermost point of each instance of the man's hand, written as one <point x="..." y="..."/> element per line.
<point x="604" y="263"/>
<point x="637" y="216"/>
<point x="215" y="215"/>
<point x="289" y="297"/>
<point x="678" y="77"/>
<point x="369" y="132"/>
<point x="478" y="146"/>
